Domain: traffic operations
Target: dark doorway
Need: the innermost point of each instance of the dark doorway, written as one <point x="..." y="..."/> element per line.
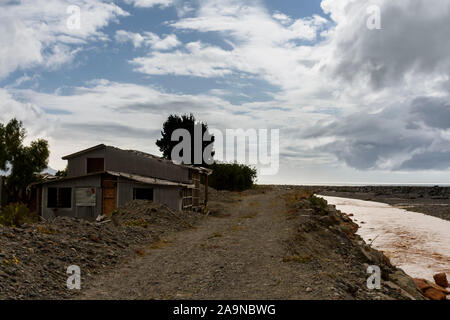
<point x="65" y="198"/>
<point x="52" y="198"/>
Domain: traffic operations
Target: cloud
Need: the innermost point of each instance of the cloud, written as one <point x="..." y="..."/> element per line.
<point x="35" y="33"/>
<point x="249" y="22"/>
<point x="123" y="114"/>
<point x="197" y="59"/>
<point x="436" y="160"/>
<point x="148" y="39"/>
<point x="283" y="18"/>
<point x="255" y="42"/>
<point x="434" y="112"/>
<point x="34" y="118"/>
<point x="396" y="138"/>
<point x="150" y="3"/>
<point x="410" y="43"/>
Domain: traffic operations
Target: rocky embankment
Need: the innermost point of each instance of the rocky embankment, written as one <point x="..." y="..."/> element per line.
<point x="34" y="258"/>
<point x="326" y="238"/>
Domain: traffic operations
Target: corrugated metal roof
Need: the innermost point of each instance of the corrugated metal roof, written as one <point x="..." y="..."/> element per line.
<point x="148" y="180"/>
<point x="134" y="177"/>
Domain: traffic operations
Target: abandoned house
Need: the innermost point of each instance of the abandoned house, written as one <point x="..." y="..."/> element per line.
<point x="102" y="178"/>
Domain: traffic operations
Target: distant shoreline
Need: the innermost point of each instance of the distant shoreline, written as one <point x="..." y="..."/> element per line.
<point x="434" y="201"/>
<point x="426" y="185"/>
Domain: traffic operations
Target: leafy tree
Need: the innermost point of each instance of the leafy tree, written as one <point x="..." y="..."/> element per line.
<point x="225" y="176"/>
<point x="22" y="162"/>
<point x="189" y="123"/>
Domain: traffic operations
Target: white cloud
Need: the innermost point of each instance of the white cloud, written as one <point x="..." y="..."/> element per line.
<point x="33" y="117"/>
<point x="35" y="33"/>
<point x="149" y="3"/>
<point x="260" y="45"/>
<point x="283" y="18"/>
<point x="148" y="39"/>
<point x="197" y="60"/>
<point x="249" y="23"/>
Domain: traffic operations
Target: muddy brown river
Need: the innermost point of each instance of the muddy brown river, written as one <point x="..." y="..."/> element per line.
<point x="415" y="242"/>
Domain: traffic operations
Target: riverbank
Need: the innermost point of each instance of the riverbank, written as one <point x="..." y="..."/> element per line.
<point x="415" y="242"/>
<point x="433" y="201"/>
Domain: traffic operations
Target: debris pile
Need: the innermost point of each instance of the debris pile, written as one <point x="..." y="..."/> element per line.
<point x="34" y="258"/>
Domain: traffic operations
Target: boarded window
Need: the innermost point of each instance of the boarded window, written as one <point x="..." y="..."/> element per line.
<point x="143" y="194"/>
<point x="52" y="198"/>
<point x="65" y="197"/>
<point x="86" y="197"/>
<point x="95" y="165"/>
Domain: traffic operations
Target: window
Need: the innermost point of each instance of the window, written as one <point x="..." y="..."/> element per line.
<point x="59" y="198"/>
<point x="65" y="198"/>
<point x="95" y="165"/>
<point x="143" y="194"/>
<point x="52" y="198"/>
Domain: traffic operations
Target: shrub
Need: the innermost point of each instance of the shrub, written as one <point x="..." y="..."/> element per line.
<point x="318" y="202"/>
<point x="15" y="214"/>
<point x="232" y="176"/>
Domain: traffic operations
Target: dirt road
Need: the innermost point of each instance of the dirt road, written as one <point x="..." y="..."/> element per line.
<point x="256" y="245"/>
<point x="237" y="255"/>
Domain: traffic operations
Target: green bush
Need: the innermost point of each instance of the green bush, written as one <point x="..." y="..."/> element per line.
<point x="15" y="214"/>
<point x="318" y="202"/>
<point x="232" y="176"/>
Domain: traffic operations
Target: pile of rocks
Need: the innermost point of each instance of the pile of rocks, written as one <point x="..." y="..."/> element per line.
<point x="34" y="258"/>
<point x="434" y="291"/>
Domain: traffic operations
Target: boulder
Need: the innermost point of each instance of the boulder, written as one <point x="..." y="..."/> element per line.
<point x="435" y="294"/>
<point x="431" y="290"/>
<point x="441" y="280"/>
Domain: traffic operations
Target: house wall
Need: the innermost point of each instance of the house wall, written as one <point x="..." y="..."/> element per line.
<point x="77" y="166"/>
<point x="125" y="161"/>
<point x="77" y="212"/>
<point x="168" y="195"/>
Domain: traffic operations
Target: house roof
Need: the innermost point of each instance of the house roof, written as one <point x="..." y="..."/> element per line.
<point x="139" y="153"/>
<point x="148" y="180"/>
<point x="134" y="177"/>
<point x="76" y="154"/>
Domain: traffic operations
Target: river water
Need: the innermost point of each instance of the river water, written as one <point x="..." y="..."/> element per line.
<point x="417" y="243"/>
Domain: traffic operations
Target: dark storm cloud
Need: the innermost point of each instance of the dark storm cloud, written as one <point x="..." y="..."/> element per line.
<point x="429" y="160"/>
<point x="409" y="133"/>
<point x="434" y="112"/>
<point x="413" y="38"/>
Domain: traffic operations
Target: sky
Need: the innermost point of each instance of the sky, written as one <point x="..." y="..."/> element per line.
<point x="355" y="102"/>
